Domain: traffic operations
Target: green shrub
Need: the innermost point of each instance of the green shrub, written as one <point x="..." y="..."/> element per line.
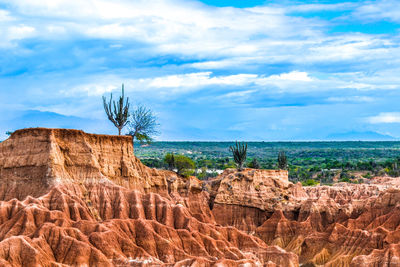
<point x="169" y="159"/>
<point x="202" y="174"/>
<point x="184" y="165"/>
<point x="309" y="182"/>
<point x="254" y="164"/>
<point x="345" y="180"/>
<point x="367" y="175"/>
<point x="229" y="165"/>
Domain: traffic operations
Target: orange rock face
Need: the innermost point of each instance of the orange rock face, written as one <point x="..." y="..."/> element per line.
<point x="68" y="198"/>
<point x="44" y="158"/>
<point x="341" y="225"/>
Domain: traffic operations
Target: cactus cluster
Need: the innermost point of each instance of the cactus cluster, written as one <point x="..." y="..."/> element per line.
<point x="239" y="152"/>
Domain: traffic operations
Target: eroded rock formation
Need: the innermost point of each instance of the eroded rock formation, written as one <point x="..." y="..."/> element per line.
<point x="68" y="198"/>
<point x="71" y="198"/>
<point x="340" y="225"/>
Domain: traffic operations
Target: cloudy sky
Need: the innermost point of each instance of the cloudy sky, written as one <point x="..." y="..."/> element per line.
<point x="210" y="70"/>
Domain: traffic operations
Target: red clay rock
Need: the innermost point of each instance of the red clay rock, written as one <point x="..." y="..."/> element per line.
<point x="340" y="225"/>
<point x="71" y="199"/>
<point x="68" y="198"/>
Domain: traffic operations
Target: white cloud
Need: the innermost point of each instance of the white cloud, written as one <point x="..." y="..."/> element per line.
<point x="377" y="10"/>
<point x="222" y="37"/>
<point x="169" y="84"/>
<point x="291" y="76"/>
<point x="217" y="64"/>
<point x="239" y="94"/>
<point x="20" y="32"/>
<point x="5" y="16"/>
<point x="292" y="81"/>
<point x="385" y="117"/>
<point x="357" y="99"/>
<point x="57" y="30"/>
<point x="320" y="7"/>
<point x="92" y="89"/>
<point x="200" y="79"/>
<point x="181" y="83"/>
<point x="14" y="33"/>
<point x="358" y="86"/>
<point x="245" y="40"/>
<point x="172" y="26"/>
<point x="360" y="47"/>
<point x="383" y="79"/>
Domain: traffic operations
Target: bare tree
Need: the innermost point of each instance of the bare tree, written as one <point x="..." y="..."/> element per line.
<point x="117" y="112"/>
<point x="142" y="124"/>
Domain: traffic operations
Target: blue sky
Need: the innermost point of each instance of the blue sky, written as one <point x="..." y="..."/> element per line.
<point x="210" y="70"/>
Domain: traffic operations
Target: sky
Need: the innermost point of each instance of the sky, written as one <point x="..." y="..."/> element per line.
<point x="210" y="70"/>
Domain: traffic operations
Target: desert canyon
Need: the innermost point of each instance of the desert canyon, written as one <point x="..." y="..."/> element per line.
<point x="68" y="198"/>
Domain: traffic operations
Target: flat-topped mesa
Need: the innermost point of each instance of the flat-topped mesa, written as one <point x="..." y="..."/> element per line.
<point x="35" y="159"/>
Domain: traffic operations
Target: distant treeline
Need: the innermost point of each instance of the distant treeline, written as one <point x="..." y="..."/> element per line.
<point x="320" y="161"/>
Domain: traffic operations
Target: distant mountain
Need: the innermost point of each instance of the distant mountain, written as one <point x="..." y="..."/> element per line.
<point x="35" y="118"/>
<point x="360" y="136"/>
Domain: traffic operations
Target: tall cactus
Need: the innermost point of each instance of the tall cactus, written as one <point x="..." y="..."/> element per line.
<point x="282" y="160"/>
<point x="119" y="115"/>
<point x="239" y="154"/>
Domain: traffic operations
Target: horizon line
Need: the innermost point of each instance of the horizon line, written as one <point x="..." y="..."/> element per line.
<point x="273" y="141"/>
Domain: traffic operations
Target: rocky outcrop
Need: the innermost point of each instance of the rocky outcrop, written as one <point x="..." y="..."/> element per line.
<point x="103" y="224"/>
<point x="255" y="188"/>
<point x="340" y="225"/>
<point x="248" y="198"/>
<point x="43" y="158"/>
<point x="68" y="198"/>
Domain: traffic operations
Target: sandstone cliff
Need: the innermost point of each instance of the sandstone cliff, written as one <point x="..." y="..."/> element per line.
<point x="43" y="158"/>
<point x="340" y="225"/>
<point x="68" y="198"/>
